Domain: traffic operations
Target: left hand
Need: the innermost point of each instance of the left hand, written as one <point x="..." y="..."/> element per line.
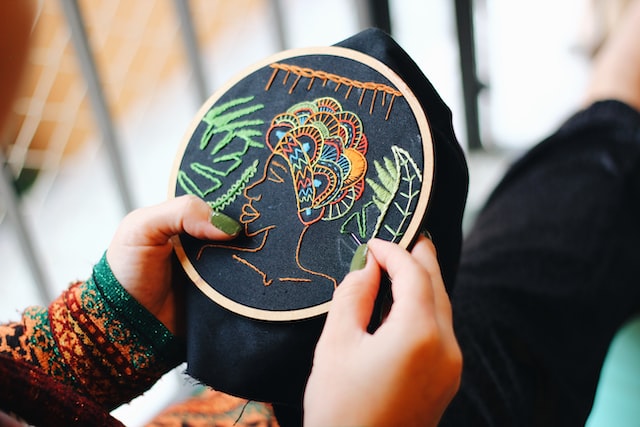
<point x="140" y="254"/>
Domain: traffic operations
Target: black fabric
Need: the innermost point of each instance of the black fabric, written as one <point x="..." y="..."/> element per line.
<point x="271" y="361"/>
<point x="449" y="192"/>
<point x="549" y="273"/>
<point x="321" y="234"/>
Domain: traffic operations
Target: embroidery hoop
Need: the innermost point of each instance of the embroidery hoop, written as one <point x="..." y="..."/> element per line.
<point x="417" y="216"/>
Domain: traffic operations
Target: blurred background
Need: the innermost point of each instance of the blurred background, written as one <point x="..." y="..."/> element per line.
<point x="112" y="85"/>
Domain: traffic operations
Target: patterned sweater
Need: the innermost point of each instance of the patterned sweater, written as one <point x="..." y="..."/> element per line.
<point x="94" y="340"/>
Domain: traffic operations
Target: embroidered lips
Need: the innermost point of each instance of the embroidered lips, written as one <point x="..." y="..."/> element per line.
<point x="249" y="213"/>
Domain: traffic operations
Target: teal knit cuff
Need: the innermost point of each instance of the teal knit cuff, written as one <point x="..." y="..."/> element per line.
<point x="135" y="316"/>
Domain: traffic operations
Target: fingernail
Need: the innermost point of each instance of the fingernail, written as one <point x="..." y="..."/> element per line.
<point x="359" y="259"/>
<point x="225" y="223"/>
<point x="426" y="234"/>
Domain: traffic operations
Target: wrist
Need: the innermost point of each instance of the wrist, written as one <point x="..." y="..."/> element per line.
<point x="128" y="310"/>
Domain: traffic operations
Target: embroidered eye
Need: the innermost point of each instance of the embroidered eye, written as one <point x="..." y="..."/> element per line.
<point x="276" y="171"/>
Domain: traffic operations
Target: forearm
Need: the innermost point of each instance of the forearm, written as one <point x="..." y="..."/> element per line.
<point x="97" y="338"/>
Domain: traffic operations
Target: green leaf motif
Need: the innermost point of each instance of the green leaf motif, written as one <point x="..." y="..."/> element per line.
<point x="232" y="124"/>
<point x="395" y="186"/>
<point x="236" y="188"/>
<point x="235" y="132"/>
<point x="404" y="189"/>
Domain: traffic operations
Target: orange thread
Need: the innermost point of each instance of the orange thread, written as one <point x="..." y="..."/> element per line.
<point x="338" y="80"/>
<point x="254" y="268"/>
<point x="293" y="279"/>
<point x="239" y="248"/>
<point x="315" y="273"/>
<point x="373" y="100"/>
<point x="390" y="105"/>
<point x="295" y="83"/>
<point x="361" y="97"/>
<point x="273" y="77"/>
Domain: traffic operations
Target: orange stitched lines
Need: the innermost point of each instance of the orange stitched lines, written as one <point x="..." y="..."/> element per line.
<point x="254" y="268"/>
<point x="294" y="279"/>
<point x="265" y="235"/>
<point x="274" y="176"/>
<point x="324" y="76"/>
<point x="316" y="273"/>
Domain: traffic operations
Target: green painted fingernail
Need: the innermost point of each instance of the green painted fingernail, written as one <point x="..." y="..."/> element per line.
<point x="359" y="259"/>
<point x="225" y="223"/>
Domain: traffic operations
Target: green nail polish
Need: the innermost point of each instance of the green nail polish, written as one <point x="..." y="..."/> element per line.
<point x="225" y="223"/>
<point x="359" y="259"/>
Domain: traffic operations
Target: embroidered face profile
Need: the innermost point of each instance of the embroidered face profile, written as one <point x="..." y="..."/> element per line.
<point x="315" y="151"/>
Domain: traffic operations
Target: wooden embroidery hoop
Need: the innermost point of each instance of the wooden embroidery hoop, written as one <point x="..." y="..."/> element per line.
<point x="411" y="231"/>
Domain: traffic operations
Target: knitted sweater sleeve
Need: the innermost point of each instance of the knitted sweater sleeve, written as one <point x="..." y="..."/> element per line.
<point x="96" y="338"/>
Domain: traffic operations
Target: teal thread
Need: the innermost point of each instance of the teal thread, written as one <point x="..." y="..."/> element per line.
<point x="340" y="209"/>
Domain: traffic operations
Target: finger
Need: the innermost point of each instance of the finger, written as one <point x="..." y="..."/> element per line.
<point x="354" y="299"/>
<point x="157" y="224"/>
<point x="424" y="252"/>
<point x="410" y="281"/>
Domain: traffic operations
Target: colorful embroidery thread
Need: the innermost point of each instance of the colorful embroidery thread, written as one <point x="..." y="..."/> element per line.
<point x="399" y="178"/>
<point x="324" y="76"/>
<point x="325" y="150"/>
<point x="312" y="164"/>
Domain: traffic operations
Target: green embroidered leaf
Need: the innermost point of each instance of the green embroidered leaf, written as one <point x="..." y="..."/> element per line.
<point x="406" y="196"/>
<point x="380" y="194"/>
<point x="389" y="181"/>
<point x="360" y="219"/>
<point x="209" y="174"/>
<point x="231" y="131"/>
<point x="238" y="130"/>
<point x="232" y="123"/>
<point x="388" y="176"/>
<point x="188" y="185"/>
<point x="236" y="188"/>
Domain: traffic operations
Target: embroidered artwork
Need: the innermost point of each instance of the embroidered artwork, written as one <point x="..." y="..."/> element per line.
<point x="313" y="157"/>
<point x="237" y="134"/>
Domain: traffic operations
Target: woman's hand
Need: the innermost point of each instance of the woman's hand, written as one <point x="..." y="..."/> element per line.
<point x="405" y="373"/>
<point x="140" y="254"/>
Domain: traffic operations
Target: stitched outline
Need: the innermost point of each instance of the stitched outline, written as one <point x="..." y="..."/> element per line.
<point x="312" y="75"/>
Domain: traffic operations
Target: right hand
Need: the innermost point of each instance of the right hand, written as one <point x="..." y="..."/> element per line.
<point x="409" y="369"/>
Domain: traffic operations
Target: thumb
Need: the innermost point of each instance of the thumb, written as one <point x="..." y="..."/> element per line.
<point x="154" y="226"/>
